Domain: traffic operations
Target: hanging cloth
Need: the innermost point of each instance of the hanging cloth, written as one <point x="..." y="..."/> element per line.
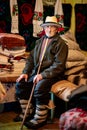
<point x="38" y="17"/>
<point x="58" y="12"/>
<point x="14" y="16"/>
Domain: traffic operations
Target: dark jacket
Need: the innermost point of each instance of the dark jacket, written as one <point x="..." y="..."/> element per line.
<point x="54" y="60"/>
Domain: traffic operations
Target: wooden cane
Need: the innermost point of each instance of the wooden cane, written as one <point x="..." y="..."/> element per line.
<point x="29" y="101"/>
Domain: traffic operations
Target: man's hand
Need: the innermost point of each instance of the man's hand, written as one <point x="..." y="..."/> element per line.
<point x="37" y="78"/>
<point x="22" y="76"/>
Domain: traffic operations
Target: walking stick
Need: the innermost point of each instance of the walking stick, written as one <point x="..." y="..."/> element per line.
<point x="29" y="101"/>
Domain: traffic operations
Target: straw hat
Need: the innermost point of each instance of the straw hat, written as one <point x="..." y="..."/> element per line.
<point x="50" y="20"/>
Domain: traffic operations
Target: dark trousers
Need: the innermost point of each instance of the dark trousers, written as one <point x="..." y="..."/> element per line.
<point x="41" y="93"/>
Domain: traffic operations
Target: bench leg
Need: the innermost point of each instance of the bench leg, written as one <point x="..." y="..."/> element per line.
<point x="52" y="106"/>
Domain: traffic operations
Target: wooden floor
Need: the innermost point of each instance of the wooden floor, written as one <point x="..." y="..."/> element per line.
<point x="7" y="117"/>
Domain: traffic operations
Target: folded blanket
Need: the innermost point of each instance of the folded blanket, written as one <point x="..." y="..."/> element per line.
<point x="9" y="41"/>
<point x="77" y="75"/>
<point x="10" y="69"/>
<point x="16" y="51"/>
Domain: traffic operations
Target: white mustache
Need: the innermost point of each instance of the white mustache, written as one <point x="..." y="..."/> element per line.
<point x="50" y="34"/>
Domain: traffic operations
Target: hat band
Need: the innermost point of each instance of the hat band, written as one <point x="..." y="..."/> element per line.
<point x="50" y="23"/>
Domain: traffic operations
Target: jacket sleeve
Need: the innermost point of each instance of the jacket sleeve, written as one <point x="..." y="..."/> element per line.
<point x="58" y="65"/>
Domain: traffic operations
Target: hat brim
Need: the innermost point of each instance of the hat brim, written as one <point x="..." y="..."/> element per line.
<point x="50" y="24"/>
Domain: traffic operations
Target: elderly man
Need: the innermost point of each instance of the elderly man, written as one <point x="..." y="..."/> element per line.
<point x="50" y="54"/>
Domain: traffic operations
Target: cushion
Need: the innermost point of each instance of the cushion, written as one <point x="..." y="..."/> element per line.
<point x="73" y="119"/>
<point x="63" y="89"/>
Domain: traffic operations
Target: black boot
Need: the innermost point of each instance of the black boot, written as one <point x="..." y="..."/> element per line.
<point x="40" y="117"/>
<point x="29" y="115"/>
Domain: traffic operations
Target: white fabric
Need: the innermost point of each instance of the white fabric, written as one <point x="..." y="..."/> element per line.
<point x="14" y="16"/>
<point x="58" y="11"/>
<point x="37" y="20"/>
<point x="39" y="6"/>
<point x="58" y="8"/>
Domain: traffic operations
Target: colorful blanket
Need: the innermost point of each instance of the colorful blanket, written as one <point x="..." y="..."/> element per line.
<point x="74" y="119"/>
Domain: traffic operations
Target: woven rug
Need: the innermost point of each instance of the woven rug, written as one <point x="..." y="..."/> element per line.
<point x="12" y="126"/>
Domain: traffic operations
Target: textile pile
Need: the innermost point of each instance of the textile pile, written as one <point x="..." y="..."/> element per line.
<point x="8" y="75"/>
<point x="76" y="65"/>
<point x="12" y="61"/>
<point x="12" y="49"/>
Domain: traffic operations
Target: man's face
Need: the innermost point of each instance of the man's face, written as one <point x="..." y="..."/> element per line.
<point x="50" y="30"/>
